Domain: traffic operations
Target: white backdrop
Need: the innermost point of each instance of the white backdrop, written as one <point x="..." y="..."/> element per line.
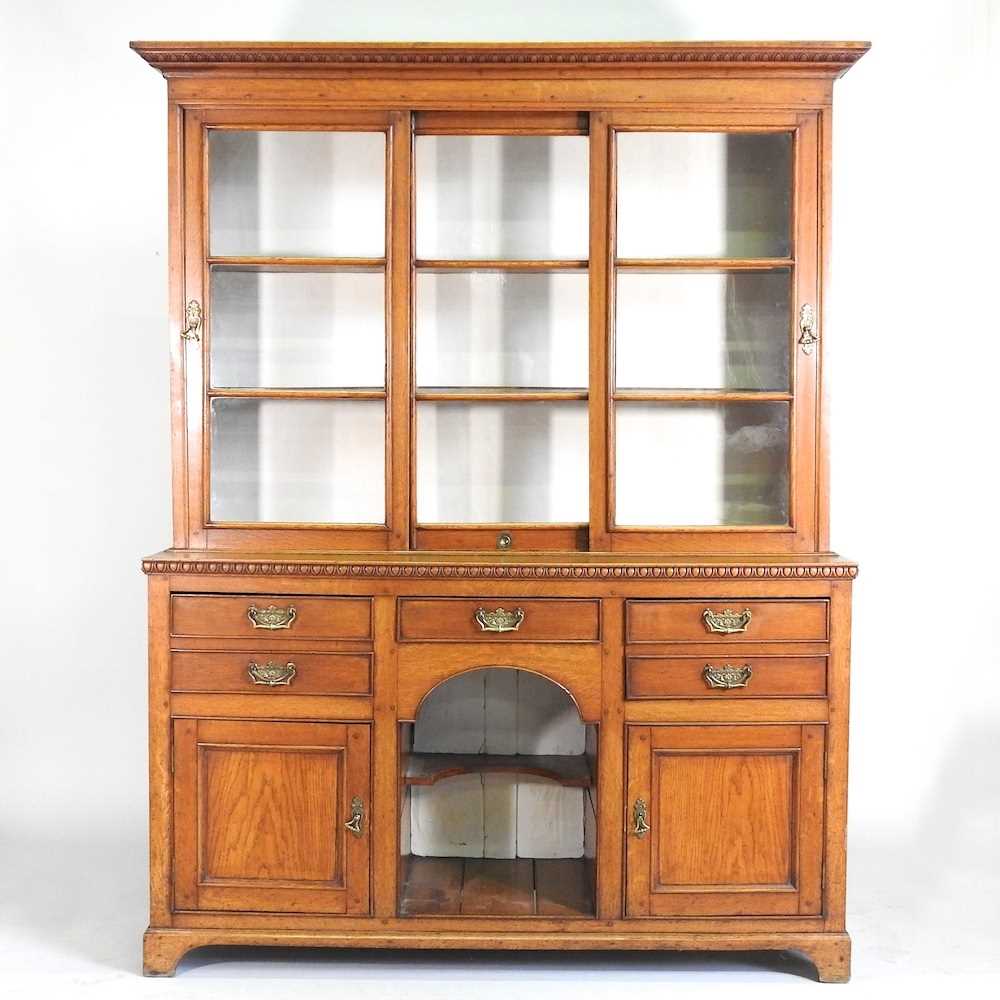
<point x="912" y="347"/>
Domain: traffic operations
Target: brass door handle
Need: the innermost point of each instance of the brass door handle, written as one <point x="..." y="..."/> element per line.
<point x="640" y="827"/>
<point x="271" y="674"/>
<point x="726" y="622"/>
<point x="728" y="676"/>
<point x="807" y="328"/>
<point x="357" y="816"/>
<point x="272" y="617"/>
<point x="193" y="316"/>
<point x="499" y="620"/>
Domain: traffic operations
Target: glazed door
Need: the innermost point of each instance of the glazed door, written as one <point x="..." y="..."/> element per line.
<point x="712" y="348"/>
<point x="725" y="820"/>
<point x="271" y="816"/>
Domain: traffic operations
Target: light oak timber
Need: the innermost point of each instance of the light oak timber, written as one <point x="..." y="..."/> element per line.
<point x="751" y="781"/>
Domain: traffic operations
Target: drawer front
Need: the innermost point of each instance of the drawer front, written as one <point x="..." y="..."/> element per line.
<point x="729" y="620"/>
<point x="732" y="677"/>
<point x="275" y="616"/>
<point x="272" y="672"/>
<point x="505" y="619"/>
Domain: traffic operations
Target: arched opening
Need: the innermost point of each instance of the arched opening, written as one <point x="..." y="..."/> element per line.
<point x="498" y="812"/>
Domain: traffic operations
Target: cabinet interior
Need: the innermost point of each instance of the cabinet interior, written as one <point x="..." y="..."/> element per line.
<point x="498" y="800"/>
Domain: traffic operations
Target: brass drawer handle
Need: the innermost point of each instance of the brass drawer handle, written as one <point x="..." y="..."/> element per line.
<point x="728" y="676"/>
<point x="271" y="674"/>
<point x="639" y="825"/>
<point x="727" y="622"/>
<point x="272" y="617"/>
<point x="357" y="817"/>
<point x="499" y="620"/>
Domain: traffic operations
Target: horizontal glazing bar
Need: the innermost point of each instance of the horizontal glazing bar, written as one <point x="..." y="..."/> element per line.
<point x="492" y="393"/>
<point x="701" y="396"/>
<point x="340" y="393"/>
<point x="298" y="263"/>
<point x="500" y="265"/>
<point x="703" y="263"/>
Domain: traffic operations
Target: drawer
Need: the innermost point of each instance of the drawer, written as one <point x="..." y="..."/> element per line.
<point x="729" y="620"/>
<point x="275" y="616"/>
<point x="492" y="618"/>
<point x="734" y="677"/>
<point x="281" y="673"/>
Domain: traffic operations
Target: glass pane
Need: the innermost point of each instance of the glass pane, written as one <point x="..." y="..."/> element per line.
<point x="283" y="330"/>
<point x="702" y="331"/>
<point x="486" y="463"/>
<point x="494" y="328"/>
<point x="701" y="463"/>
<point x="297" y="194"/>
<point x="287" y="460"/>
<point x="704" y="194"/>
<point x="507" y="197"/>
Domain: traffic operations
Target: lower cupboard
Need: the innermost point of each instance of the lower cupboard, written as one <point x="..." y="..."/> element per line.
<point x="499" y="793"/>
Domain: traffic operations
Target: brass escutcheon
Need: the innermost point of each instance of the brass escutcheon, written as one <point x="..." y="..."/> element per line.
<point x="357" y="816"/>
<point x="639" y="825"/>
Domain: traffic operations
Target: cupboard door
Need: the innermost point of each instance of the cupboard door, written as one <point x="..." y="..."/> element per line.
<point x="725" y="820"/>
<point x="712" y="281"/>
<point x="261" y="814"/>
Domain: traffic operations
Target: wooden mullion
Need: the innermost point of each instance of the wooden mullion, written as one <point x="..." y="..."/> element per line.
<point x="399" y="342"/>
<point x="601" y="349"/>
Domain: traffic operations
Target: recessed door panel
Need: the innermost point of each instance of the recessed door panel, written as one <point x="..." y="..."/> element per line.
<point x="261" y="812"/>
<point x="725" y="820"/>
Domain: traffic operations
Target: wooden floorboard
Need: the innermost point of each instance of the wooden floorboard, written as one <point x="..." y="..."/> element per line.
<point x="431" y="887"/>
<point x="562" y="888"/>
<point x="522" y="887"/>
<point x="499" y="887"/>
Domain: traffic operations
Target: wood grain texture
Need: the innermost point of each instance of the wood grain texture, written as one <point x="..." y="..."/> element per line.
<point x="314" y="673"/>
<point x="454" y="619"/>
<point x="228" y="617"/>
<point x="734" y="826"/>
<point x="684" y="676"/>
<point x="259" y="812"/>
<point x="683" y="621"/>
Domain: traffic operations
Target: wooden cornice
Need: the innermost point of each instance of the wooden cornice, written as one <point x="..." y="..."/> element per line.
<point x="486" y="566"/>
<point x="227" y="58"/>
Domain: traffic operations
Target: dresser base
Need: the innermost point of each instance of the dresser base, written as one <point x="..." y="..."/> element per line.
<point x="830" y="953"/>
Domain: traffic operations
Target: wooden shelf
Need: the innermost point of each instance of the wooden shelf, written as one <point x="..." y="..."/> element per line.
<point x="430" y="768"/>
<point x="520" y="887"/>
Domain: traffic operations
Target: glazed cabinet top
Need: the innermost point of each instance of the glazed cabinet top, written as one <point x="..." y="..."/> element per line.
<point x="545" y="298"/>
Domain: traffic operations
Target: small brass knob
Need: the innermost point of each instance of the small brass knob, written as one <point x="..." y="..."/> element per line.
<point x="504" y="541"/>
